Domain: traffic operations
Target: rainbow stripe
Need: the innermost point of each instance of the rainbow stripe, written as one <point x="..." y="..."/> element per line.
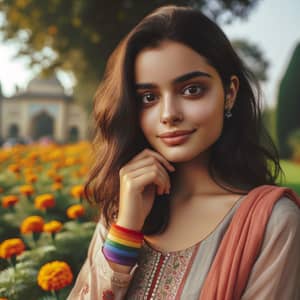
<point x="122" y="245"/>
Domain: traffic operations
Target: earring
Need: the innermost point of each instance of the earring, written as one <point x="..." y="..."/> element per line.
<point x="228" y="114"/>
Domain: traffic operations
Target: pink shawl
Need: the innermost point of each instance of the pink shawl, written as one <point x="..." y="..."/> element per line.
<point x="241" y="244"/>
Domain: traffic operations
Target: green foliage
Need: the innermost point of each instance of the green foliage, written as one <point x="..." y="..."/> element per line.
<point x="70" y="246"/>
<point x="292" y="178"/>
<point x="288" y="107"/>
<point x="78" y="36"/>
<point x="294" y="143"/>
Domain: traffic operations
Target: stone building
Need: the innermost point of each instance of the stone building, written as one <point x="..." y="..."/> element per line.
<point x="43" y="109"/>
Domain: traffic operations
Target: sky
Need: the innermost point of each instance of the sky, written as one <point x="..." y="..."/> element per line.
<point x="274" y="25"/>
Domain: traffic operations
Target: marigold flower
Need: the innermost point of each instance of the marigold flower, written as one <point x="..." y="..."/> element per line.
<point x="11" y="247"/>
<point x="57" y="178"/>
<point x="77" y="191"/>
<point x="56" y="186"/>
<point x="75" y="211"/>
<point x="54" y="276"/>
<point x="10" y="200"/>
<point x="26" y="190"/>
<point x="53" y="227"/>
<point x="31" y="178"/>
<point x="32" y="224"/>
<point x="14" y="168"/>
<point x="44" y="201"/>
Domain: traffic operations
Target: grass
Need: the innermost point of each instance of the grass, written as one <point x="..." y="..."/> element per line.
<point x="292" y="175"/>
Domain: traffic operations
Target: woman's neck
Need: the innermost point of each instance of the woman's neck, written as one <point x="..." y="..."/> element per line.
<point x="192" y="179"/>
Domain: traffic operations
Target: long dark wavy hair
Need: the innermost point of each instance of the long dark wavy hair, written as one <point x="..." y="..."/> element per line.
<point x="242" y="158"/>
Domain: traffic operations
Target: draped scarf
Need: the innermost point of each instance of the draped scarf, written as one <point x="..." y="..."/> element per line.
<point x="240" y="246"/>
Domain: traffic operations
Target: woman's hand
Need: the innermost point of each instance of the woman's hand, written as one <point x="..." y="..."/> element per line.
<point x="140" y="179"/>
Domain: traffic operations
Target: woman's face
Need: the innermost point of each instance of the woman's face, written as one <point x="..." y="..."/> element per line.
<point x="178" y="90"/>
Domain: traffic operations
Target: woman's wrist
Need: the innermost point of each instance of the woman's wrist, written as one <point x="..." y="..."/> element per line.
<point x="122" y="245"/>
<point x="129" y="224"/>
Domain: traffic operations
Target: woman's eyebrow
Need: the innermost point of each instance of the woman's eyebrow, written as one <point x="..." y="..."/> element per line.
<point x="179" y="79"/>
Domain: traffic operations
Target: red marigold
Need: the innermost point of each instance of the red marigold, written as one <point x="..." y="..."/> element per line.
<point x="10" y="200"/>
<point x="75" y="211"/>
<point x="44" y="201"/>
<point x="32" y="224"/>
<point x="11" y="247"/>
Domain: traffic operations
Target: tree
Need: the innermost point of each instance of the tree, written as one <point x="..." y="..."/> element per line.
<point x="78" y="35"/>
<point x="253" y="58"/>
<point x="288" y="105"/>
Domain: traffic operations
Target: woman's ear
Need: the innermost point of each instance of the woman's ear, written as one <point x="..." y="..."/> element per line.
<point x="231" y="92"/>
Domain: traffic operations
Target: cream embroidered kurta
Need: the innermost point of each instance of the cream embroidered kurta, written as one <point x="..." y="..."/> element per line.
<point x="180" y="274"/>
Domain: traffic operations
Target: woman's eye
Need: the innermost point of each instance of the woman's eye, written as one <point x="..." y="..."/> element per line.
<point x="193" y="90"/>
<point x="147" y="97"/>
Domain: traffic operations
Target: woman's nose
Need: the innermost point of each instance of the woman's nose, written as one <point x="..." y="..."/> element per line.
<point x="170" y="110"/>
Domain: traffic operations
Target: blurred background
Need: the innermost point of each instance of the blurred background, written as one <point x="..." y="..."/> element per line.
<point x="52" y="57"/>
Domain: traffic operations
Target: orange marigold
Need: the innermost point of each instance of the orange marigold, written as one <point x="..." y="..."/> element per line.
<point x="44" y="201"/>
<point x="54" y="276"/>
<point x="11" y="247"/>
<point x="56" y="186"/>
<point x="77" y="191"/>
<point x="53" y="226"/>
<point x="26" y="190"/>
<point x="57" y="178"/>
<point x="10" y="200"/>
<point x="14" y="168"/>
<point x="32" y="224"/>
<point x="31" y="178"/>
<point x="75" y="211"/>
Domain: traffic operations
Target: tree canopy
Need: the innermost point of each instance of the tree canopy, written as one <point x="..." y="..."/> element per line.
<point x="288" y="106"/>
<point x="78" y="35"/>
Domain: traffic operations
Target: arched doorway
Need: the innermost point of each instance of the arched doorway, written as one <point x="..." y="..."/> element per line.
<point x="73" y="134"/>
<point x="13" y="130"/>
<point x="42" y="125"/>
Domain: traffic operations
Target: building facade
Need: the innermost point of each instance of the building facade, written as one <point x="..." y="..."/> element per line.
<point x="43" y="109"/>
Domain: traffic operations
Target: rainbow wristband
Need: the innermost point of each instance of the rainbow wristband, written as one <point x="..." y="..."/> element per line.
<point x="122" y="245"/>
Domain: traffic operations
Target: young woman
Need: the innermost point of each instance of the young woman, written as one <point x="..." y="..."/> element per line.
<point x="186" y="188"/>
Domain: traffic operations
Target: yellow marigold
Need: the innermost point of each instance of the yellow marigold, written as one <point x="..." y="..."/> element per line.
<point x="54" y="276"/>
<point x="10" y="200"/>
<point x="53" y="226"/>
<point x="56" y="186"/>
<point x="77" y="191"/>
<point x="11" y="247"/>
<point x="70" y="161"/>
<point x="75" y="211"/>
<point x="44" y="201"/>
<point x="32" y="224"/>
<point x="14" y="168"/>
<point x="26" y="190"/>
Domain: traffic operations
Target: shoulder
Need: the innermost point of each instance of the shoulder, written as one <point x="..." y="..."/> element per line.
<point x="284" y="219"/>
<point x="285" y="210"/>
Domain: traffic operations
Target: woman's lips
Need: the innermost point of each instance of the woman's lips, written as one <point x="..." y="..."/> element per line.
<point x="176" y="140"/>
